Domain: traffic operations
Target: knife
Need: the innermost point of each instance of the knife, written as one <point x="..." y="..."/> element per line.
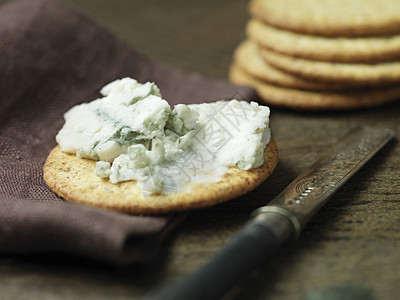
<point x="282" y="220"/>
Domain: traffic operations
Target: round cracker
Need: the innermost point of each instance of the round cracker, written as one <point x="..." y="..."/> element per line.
<point x="73" y="179"/>
<point x="248" y="58"/>
<point x="373" y="74"/>
<point x="353" y="50"/>
<point x="303" y="100"/>
<point x="331" y="17"/>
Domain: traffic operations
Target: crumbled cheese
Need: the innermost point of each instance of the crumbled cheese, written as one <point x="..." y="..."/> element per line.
<point x="134" y="135"/>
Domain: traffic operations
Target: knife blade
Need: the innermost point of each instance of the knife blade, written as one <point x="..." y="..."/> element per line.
<point x="282" y="220"/>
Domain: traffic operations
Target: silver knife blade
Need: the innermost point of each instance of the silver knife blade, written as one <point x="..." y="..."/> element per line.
<point x="304" y="196"/>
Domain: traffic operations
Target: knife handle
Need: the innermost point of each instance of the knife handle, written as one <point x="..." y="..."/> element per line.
<point x="260" y="237"/>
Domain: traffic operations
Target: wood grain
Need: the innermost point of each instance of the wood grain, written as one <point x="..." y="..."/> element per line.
<point x="352" y="244"/>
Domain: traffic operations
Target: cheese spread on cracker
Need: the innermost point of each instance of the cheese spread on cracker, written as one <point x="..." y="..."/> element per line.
<point x="134" y="135"/>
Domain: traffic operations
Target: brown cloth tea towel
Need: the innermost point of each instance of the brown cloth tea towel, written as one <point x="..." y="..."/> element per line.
<point x="51" y="58"/>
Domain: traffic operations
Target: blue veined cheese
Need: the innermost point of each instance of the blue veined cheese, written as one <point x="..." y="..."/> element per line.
<point x="235" y="132"/>
<point x="129" y="113"/>
<point x="134" y="135"/>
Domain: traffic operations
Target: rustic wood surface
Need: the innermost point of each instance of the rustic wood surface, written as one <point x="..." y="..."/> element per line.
<point x="350" y="249"/>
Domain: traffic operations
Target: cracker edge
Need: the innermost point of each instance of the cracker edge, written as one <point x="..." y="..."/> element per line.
<point x="388" y="27"/>
<point x="234" y="184"/>
<point x="312" y="101"/>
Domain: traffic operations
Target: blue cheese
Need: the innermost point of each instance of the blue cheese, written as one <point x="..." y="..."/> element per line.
<point x="128" y="114"/>
<point x="134" y="135"/>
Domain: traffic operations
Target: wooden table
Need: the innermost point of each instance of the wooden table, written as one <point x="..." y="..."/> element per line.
<point x="351" y="247"/>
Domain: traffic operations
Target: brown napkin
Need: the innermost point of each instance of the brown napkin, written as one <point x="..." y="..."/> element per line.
<point x="51" y="58"/>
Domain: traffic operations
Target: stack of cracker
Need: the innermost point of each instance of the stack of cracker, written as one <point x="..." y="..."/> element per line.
<point x="333" y="54"/>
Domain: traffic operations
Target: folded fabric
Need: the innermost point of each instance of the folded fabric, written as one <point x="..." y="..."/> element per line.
<point x="51" y="58"/>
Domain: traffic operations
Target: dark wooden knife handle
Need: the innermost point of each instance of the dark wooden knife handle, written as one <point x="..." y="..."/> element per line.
<point x="261" y="237"/>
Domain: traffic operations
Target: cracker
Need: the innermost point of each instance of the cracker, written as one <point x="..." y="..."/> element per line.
<point x="248" y="58"/>
<point x="74" y="180"/>
<point x="331" y="17"/>
<point x="303" y="100"/>
<point x="363" y="49"/>
<point x="371" y="74"/>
